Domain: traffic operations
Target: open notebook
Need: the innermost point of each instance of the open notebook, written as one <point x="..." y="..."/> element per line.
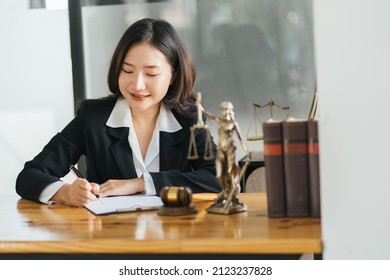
<point x="122" y="204"/>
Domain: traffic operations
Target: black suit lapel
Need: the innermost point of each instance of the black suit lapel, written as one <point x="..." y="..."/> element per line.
<point x="170" y="156"/>
<point x="121" y="151"/>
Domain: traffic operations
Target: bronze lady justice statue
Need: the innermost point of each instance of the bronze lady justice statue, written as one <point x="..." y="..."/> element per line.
<point x="228" y="172"/>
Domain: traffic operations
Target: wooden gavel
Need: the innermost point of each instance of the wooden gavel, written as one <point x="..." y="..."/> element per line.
<point x="176" y="196"/>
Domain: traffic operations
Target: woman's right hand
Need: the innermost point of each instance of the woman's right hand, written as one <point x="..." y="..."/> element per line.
<point x="78" y="194"/>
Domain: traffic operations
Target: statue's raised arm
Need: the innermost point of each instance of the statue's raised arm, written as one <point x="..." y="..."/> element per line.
<point x="201" y="110"/>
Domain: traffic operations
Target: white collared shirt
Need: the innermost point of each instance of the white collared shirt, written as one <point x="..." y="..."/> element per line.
<point x="121" y="117"/>
<point x="166" y="121"/>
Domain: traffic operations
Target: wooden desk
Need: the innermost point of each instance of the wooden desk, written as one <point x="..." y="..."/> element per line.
<point x="29" y="227"/>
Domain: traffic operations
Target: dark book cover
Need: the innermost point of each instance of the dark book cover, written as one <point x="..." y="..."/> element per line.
<point x="296" y="168"/>
<point x="274" y="170"/>
<point x="314" y="168"/>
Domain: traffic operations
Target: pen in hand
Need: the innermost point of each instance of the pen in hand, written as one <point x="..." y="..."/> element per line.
<point x="79" y="175"/>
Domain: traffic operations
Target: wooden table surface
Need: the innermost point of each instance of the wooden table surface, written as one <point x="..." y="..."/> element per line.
<point x="29" y="227"/>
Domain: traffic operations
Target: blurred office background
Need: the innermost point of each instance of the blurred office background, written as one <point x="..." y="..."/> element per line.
<point x="54" y="53"/>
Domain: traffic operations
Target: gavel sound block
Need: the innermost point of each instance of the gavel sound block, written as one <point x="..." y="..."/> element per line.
<point x="176" y="201"/>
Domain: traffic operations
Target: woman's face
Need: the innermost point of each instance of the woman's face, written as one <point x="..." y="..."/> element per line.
<point x="145" y="77"/>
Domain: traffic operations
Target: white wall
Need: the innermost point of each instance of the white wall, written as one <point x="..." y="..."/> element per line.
<point x="35" y="85"/>
<point x="353" y="67"/>
<point x="10" y="5"/>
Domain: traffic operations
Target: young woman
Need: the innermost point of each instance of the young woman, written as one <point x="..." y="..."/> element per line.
<point x="136" y="140"/>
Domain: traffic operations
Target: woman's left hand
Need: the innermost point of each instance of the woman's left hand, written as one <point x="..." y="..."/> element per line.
<point x="121" y="187"/>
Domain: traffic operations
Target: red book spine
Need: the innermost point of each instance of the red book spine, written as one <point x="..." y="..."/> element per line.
<point x="314" y="168"/>
<point x="274" y="170"/>
<point x="296" y="169"/>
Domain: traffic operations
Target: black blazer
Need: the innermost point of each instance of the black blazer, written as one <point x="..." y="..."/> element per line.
<point x="109" y="156"/>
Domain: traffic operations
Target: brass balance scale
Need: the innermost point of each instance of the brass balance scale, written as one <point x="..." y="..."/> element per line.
<point x="256" y="121"/>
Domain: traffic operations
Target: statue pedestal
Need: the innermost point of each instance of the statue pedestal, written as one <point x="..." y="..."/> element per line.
<point x="221" y="207"/>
